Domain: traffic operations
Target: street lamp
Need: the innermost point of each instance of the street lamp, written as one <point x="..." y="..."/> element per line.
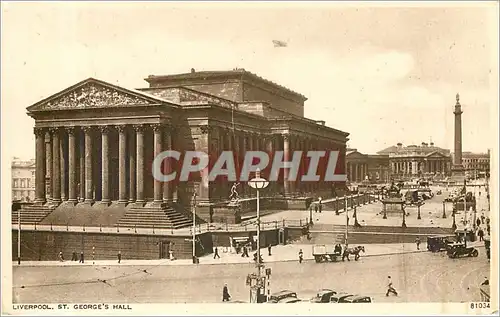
<point x="454" y="225"/>
<point x="310" y="214"/>
<point x="258" y="183"/>
<point x="195" y="259"/>
<point x="444" y="210"/>
<point x="404" y="217"/>
<point x="356" y="223"/>
<point x="418" y="215"/>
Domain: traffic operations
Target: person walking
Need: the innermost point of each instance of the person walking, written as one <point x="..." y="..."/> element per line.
<point x="216" y="253"/>
<point x="74" y="257"/>
<point x="320" y="205"/>
<point x="269" y="250"/>
<point x="61" y="258"/>
<point x="478" y="222"/>
<point x="315" y="208"/>
<point x="225" y="294"/>
<point x="417" y="242"/>
<point x="480" y="233"/>
<point x="81" y="258"/>
<point x="390" y="287"/>
<point x="301" y="256"/>
<point x="119" y="256"/>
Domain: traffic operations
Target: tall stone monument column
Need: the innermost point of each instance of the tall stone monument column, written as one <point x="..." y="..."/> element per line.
<point x="457" y="172"/>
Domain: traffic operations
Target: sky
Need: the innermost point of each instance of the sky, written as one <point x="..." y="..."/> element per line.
<point x="384" y="74"/>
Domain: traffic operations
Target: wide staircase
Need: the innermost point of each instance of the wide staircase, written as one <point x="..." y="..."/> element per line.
<point x="32" y="214"/>
<point x="154" y="217"/>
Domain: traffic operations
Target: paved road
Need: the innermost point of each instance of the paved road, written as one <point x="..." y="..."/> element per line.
<point x="422" y="277"/>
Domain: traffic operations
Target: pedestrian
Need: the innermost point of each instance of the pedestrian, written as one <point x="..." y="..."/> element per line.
<point x="81" y="258"/>
<point x="486" y="281"/>
<point x="480" y="234"/>
<point x="390" y="287"/>
<point x="320" y="205"/>
<point x="478" y="222"/>
<point x="216" y="253"/>
<point x="482" y="218"/>
<point x="225" y="294"/>
<point x="74" y="257"/>
<point x="417" y="242"/>
<point x="61" y="258"/>
<point x="301" y="256"/>
<point x="316" y="208"/>
<point x="119" y="256"/>
<point x="269" y="249"/>
<point x="171" y="255"/>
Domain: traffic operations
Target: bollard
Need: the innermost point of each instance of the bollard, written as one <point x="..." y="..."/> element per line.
<point x="172" y="230"/>
<point x="83" y="227"/>
<point x="51" y="226"/>
<point x="100" y="227"/>
<point x="276" y="223"/>
<point x="283" y="223"/>
<point x="35" y="225"/>
<point x="226" y="225"/>
<point x="117" y="228"/>
<point x="135" y="228"/>
<point x="67" y="226"/>
<point x="153" y="229"/>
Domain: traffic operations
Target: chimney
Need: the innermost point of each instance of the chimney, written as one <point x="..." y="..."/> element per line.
<point x="193" y="70"/>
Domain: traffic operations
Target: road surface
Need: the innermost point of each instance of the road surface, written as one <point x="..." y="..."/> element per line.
<point x="418" y="277"/>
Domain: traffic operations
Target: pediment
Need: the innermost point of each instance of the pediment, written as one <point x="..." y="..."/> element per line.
<point x="355" y="155"/>
<point x="93" y="93"/>
<point x="436" y="155"/>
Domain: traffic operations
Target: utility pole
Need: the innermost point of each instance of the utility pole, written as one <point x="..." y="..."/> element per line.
<point x="195" y="260"/>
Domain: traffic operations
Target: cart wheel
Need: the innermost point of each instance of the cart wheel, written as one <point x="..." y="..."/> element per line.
<point x="475" y="253"/>
<point x="317" y="259"/>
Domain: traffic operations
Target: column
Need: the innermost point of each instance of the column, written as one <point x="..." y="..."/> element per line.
<point x="105" y="165"/>
<point x="122" y="162"/>
<point x="139" y="129"/>
<point x="48" y="165"/>
<point x="89" y="185"/>
<point x="56" y="167"/>
<point x="71" y="166"/>
<point x="40" y="165"/>
<point x="167" y="145"/>
<point x="286" y="158"/>
<point x="131" y="166"/>
<point x="62" y="150"/>
<point x="81" y="184"/>
<point x="157" y="128"/>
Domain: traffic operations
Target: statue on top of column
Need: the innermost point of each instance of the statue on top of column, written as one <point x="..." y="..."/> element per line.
<point x="234" y="196"/>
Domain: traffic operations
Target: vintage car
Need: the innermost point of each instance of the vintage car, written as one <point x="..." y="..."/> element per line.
<point x="339" y="298"/>
<point x="440" y="243"/>
<point x="289" y="300"/>
<point x="460" y="249"/>
<point x="278" y="296"/>
<point x="357" y="299"/>
<point x="323" y="296"/>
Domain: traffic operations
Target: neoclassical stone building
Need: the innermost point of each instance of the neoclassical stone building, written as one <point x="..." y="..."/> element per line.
<point x="95" y="142"/>
<point x="360" y="167"/>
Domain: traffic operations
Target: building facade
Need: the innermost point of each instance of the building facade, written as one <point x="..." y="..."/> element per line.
<point x="95" y="141"/>
<point x="412" y="161"/>
<point x="476" y="164"/>
<point x="374" y="168"/>
<point x="23" y="180"/>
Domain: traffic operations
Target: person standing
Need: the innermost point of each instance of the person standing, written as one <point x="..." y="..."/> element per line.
<point x="417" y="242"/>
<point x="61" y="258"/>
<point x="74" y="257"/>
<point x="216" y="253"/>
<point x="315" y="208"/>
<point x="269" y="250"/>
<point x="225" y="294"/>
<point x="320" y="206"/>
<point x="480" y="233"/>
<point x="301" y="256"/>
<point x="81" y="258"/>
<point x="119" y="257"/>
<point x="390" y="287"/>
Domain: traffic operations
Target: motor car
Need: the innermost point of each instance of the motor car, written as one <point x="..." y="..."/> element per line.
<point x="440" y="242"/>
<point x="323" y="296"/>
<point x="357" y="299"/>
<point x="339" y="298"/>
<point x="460" y="249"/>
<point x="289" y="300"/>
<point x="276" y="297"/>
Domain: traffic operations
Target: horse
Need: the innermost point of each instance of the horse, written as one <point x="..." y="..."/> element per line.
<point x="354" y="251"/>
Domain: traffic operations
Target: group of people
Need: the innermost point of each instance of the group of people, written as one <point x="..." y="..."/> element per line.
<point x="317" y="207"/>
<point x="74" y="256"/>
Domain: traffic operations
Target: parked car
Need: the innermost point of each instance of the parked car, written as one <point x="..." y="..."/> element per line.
<point x="278" y="296"/>
<point x="323" y="296"/>
<point x="440" y="242"/>
<point x="357" y="299"/>
<point x="289" y="300"/>
<point x="339" y="298"/>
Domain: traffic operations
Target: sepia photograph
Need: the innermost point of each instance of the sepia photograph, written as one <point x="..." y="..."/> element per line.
<point x="166" y="153"/>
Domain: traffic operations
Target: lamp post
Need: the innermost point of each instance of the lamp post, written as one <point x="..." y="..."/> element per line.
<point x="418" y="212"/>
<point x="195" y="260"/>
<point x="356" y="223"/>
<point x="404" y="216"/>
<point x="19" y="236"/>
<point x="258" y="183"/>
<point x="454" y="225"/>
<point x="310" y="214"/>
<point x="444" y="210"/>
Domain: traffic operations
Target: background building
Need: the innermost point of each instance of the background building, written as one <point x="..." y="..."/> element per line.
<point x="476" y="165"/>
<point x="425" y="160"/>
<point x="23" y="180"/>
<point x="359" y="166"/>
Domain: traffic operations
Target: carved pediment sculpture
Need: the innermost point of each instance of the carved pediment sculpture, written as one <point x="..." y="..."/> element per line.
<point x="93" y="95"/>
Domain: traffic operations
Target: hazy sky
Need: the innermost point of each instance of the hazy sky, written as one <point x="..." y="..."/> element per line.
<point x="384" y="74"/>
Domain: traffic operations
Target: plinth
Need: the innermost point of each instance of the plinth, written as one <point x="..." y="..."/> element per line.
<point x="457" y="174"/>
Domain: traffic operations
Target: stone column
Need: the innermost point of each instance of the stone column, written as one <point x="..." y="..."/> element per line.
<point x="71" y="166"/>
<point x="89" y="184"/>
<point x="158" y="147"/>
<point x="62" y="148"/>
<point x="48" y="165"/>
<point x="286" y="158"/>
<point x="56" y="167"/>
<point x="122" y="162"/>
<point x="167" y="186"/>
<point x="131" y="166"/>
<point x="81" y="186"/>
<point x="105" y="165"/>
<point x="40" y="166"/>
<point x="140" y="164"/>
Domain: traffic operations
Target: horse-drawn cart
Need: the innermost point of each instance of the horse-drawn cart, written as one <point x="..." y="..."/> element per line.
<point x="326" y="253"/>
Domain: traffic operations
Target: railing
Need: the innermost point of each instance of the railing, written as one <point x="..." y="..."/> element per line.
<point x="200" y="228"/>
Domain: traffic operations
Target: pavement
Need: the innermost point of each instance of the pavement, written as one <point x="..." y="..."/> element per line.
<point x="281" y="253"/>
